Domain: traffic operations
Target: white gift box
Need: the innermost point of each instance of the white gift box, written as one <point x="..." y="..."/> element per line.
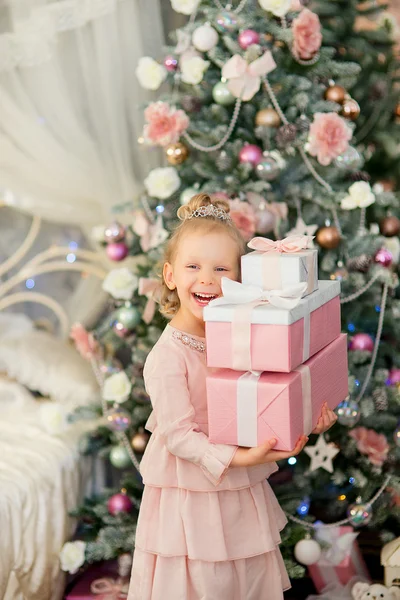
<point x="276" y="265"/>
<point x="278" y="270"/>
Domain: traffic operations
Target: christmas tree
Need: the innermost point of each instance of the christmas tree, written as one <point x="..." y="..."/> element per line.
<point x="264" y="109"/>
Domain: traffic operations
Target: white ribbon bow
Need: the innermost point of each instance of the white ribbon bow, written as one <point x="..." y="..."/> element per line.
<point x="245" y="79"/>
<point x="238" y="293"/>
<point x="338" y="547"/>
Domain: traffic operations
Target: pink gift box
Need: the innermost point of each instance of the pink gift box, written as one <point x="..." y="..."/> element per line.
<point x="280" y="339"/>
<point x="81" y="587"/>
<point x="324" y="572"/>
<point x="246" y="409"/>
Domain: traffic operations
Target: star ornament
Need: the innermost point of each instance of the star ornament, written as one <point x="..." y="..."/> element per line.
<point x="321" y="455"/>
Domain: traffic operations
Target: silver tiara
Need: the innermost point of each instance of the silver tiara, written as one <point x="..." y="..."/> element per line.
<point x="210" y="211"/>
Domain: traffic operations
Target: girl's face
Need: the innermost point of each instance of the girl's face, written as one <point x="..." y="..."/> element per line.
<point x="201" y="260"/>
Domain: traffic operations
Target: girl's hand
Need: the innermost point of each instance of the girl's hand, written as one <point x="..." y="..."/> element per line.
<point x="326" y="420"/>
<point x="249" y="457"/>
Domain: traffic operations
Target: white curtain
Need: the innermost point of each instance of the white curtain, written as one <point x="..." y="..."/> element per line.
<point x="70" y="105"/>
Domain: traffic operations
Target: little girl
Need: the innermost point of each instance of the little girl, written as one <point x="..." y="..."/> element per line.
<point x="209" y="522"/>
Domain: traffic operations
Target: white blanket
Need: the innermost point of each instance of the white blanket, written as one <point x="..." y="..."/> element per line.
<point x="41" y="479"/>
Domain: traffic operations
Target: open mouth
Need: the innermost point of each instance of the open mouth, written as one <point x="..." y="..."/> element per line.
<point x="204" y="299"/>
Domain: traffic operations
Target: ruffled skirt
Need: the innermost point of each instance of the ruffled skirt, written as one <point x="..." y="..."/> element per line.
<point x="209" y="545"/>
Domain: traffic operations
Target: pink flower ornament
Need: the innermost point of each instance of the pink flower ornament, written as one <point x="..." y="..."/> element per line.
<point x="328" y="137"/>
<point x="84" y="341"/>
<point x="244" y="217"/>
<point x="165" y="124"/>
<point x="307" y="37"/>
<point x="371" y="443"/>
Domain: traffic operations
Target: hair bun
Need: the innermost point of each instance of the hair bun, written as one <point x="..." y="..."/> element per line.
<point x="201" y="200"/>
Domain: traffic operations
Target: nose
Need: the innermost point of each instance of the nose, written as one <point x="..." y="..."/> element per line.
<point x="207" y="277"/>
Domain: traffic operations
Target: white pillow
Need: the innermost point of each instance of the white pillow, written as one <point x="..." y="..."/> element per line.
<point x="50" y="366"/>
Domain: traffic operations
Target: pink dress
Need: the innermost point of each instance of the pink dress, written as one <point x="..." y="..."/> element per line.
<point x="206" y="531"/>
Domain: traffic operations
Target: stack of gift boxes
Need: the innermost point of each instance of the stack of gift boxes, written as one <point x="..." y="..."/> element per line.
<point x="275" y="340"/>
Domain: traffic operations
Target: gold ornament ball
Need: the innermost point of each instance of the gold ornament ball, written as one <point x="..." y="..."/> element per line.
<point x="328" y="237"/>
<point x="390" y="226"/>
<point x="335" y="93"/>
<point x="139" y="441"/>
<point x="397" y="110"/>
<point x="268" y="117"/>
<point x="387" y="184"/>
<point x="176" y="153"/>
<point x="350" y="109"/>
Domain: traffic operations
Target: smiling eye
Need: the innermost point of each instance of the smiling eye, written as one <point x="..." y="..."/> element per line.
<point x="221" y="269"/>
<point x="192" y="266"/>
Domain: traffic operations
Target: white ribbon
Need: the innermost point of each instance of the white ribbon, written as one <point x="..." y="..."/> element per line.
<point x="340" y="545"/>
<point x="238" y="293"/>
<point x="247" y="409"/>
<point x="246" y="298"/>
<point x="305" y="375"/>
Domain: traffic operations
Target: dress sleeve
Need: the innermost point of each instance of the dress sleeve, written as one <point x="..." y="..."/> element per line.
<point x="169" y="394"/>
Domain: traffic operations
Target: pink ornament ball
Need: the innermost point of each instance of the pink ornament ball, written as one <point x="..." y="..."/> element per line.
<point x="119" y="503"/>
<point x="117" y="251"/>
<point x="394" y="376"/>
<point x="362" y="341"/>
<point x="247" y="38"/>
<point x="383" y="257"/>
<point x="170" y="63"/>
<point x="250" y="153"/>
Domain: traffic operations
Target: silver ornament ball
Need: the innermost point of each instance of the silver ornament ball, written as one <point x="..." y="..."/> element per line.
<point x="227" y="22"/>
<point x="348" y="413"/>
<point x="119" y="457"/>
<point x="222" y="95"/>
<point x="350" y="159"/>
<point x="267" y="169"/>
<point x="118" y="419"/>
<point x="129" y="316"/>
<point x="359" y="514"/>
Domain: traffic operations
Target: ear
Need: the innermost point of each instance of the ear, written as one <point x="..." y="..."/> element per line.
<point x="394" y="592"/>
<point x="168" y="276"/>
<point x="358" y="590"/>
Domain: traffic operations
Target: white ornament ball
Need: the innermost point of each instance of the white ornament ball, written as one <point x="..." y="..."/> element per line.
<point x="204" y="38"/>
<point x="187" y="195"/>
<point x="307" y="552"/>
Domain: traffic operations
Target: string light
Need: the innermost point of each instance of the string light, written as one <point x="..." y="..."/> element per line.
<point x="71" y="257"/>
<point x="351" y="327"/>
<point x="292" y="460"/>
<point x="352" y="480"/>
<point x="160" y="209"/>
<point x="30" y="283"/>
<point x="73" y="245"/>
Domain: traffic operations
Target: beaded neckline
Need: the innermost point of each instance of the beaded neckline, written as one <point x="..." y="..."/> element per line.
<point x="188" y="340"/>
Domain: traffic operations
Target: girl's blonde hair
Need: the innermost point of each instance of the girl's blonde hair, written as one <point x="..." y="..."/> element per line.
<point x="169" y="300"/>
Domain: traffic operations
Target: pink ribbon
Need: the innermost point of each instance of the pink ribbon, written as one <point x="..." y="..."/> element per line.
<point x="151" y="234"/>
<point x="245" y="79"/>
<point x="272" y="252"/>
<point x="149" y="287"/>
<point x="110" y="589"/>
<point x="293" y="243"/>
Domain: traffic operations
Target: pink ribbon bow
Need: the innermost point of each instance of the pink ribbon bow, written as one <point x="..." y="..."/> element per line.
<point x="244" y="78"/>
<point x="151" y="234"/>
<point x="149" y="287"/>
<point x="110" y="589"/>
<point x="291" y="244"/>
